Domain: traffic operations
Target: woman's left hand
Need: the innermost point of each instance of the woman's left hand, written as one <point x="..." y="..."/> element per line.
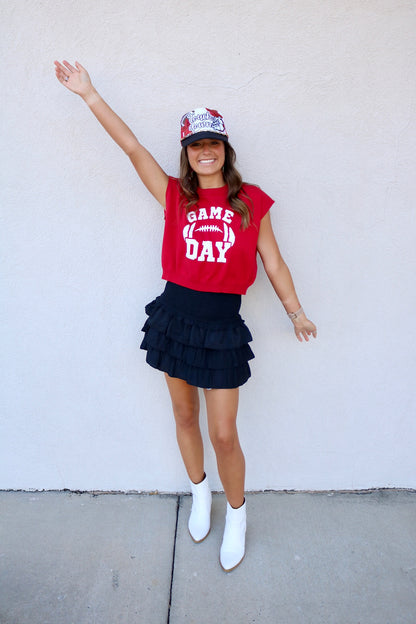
<point x="304" y="328"/>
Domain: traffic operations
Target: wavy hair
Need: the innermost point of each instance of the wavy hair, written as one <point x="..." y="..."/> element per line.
<point x="239" y="201"/>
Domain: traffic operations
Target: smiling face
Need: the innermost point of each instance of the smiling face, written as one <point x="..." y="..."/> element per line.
<point x="206" y="157"/>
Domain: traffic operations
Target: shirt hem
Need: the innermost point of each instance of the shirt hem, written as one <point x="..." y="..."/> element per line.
<point x="205" y="287"/>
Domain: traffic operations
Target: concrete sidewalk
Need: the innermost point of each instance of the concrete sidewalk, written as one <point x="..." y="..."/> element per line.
<point x="311" y="558"/>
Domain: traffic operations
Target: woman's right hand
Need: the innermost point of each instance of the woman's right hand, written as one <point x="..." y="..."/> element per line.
<point x="76" y="79"/>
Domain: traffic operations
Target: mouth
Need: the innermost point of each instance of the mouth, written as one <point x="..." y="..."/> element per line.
<point x="206" y="161"/>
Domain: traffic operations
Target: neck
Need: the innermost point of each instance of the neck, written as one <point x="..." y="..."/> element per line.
<point x="214" y="181"/>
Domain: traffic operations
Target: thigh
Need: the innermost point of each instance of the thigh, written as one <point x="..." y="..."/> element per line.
<point x="222" y="407"/>
<point x="185" y="399"/>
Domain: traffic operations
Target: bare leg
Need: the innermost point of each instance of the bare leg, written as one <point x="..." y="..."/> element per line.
<point x="185" y="403"/>
<point x="222" y="408"/>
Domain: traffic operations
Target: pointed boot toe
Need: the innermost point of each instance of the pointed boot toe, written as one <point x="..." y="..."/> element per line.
<point x="233" y="543"/>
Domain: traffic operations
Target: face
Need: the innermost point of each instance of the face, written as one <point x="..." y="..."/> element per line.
<point x="206" y="157"/>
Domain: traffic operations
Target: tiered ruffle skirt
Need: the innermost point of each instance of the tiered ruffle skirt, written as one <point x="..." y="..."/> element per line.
<point x="199" y="337"/>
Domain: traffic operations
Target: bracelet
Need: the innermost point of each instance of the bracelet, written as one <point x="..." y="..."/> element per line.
<point x="294" y="315"/>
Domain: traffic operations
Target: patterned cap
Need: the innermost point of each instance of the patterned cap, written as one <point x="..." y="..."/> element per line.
<point x="202" y="123"/>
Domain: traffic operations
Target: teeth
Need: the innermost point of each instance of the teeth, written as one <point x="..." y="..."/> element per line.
<point x="206" y="162"/>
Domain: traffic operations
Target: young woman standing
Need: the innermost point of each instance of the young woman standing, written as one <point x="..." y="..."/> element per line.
<point x="214" y="226"/>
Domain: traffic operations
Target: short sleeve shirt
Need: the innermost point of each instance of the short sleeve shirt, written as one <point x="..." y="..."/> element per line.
<point x="206" y="249"/>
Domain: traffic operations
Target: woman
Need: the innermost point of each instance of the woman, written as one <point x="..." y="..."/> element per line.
<point x="214" y="226"/>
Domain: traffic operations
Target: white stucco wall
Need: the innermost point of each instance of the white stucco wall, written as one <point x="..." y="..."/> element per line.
<point x="319" y="100"/>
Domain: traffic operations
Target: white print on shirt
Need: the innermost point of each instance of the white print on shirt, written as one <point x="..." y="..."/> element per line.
<point x="209" y="242"/>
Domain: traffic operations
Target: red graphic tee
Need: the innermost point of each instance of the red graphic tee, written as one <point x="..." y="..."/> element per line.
<point x="205" y="249"/>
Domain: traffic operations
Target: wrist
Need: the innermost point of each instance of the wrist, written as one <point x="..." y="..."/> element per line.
<point x="91" y="96"/>
<point x="294" y="316"/>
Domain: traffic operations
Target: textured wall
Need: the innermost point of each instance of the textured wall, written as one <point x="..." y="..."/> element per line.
<point x="319" y="100"/>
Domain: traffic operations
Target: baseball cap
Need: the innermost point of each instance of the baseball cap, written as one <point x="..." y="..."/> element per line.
<point x="202" y="123"/>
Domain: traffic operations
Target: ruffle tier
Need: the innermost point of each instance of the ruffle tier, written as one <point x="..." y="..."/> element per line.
<point x="207" y="353"/>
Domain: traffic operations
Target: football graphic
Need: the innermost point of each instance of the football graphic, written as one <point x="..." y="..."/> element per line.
<point x="218" y="231"/>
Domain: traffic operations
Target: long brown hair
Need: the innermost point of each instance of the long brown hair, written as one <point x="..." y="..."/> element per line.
<point x="188" y="181"/>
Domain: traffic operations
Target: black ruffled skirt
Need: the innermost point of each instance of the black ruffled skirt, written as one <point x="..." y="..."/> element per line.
<point x="199" y="337"/>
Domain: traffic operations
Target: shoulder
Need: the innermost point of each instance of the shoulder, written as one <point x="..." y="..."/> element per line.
<point x="173" y="182"/>
<point x="250" y="188"/>
<point x="253" y="190"/>
<point x="173" y="189"/>
<point x="261" y="201"/>
<point x="176" y="201"/>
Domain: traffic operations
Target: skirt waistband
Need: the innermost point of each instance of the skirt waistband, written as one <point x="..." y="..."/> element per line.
<point x="201" y="304"/>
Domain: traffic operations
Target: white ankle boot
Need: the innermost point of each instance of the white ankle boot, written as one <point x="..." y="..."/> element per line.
<point x="233" y="543"/>
<point x="199" y="523"/>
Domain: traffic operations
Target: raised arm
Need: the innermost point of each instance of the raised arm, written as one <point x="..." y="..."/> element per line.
<point x="281" y="280"/>
<point x="77" y="80"/>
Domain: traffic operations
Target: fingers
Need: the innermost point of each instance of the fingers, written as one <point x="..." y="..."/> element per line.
<point x="59" y="69"/>
<point x="65" y="71"/>
<point x="304" y="334"/>
<point x="70" y="67"/>
<point x="61" y="72"/>
<point x="313" y="331"/>
<point x="298" y="336"/>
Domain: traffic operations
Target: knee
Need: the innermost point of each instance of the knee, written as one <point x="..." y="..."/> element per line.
<point x="224" y="440"/>
<point x="186" y="414"/>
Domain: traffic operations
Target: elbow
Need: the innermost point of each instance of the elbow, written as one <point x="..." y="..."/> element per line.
<point x="274" y="268"/>
<point x="132" y="148"/>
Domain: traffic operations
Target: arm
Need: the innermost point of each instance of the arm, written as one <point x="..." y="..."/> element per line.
<point x="281" y="279"/>
<point x="77" y="80"/>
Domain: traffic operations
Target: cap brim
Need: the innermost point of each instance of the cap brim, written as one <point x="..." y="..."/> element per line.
<point x="203" y="135"/>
